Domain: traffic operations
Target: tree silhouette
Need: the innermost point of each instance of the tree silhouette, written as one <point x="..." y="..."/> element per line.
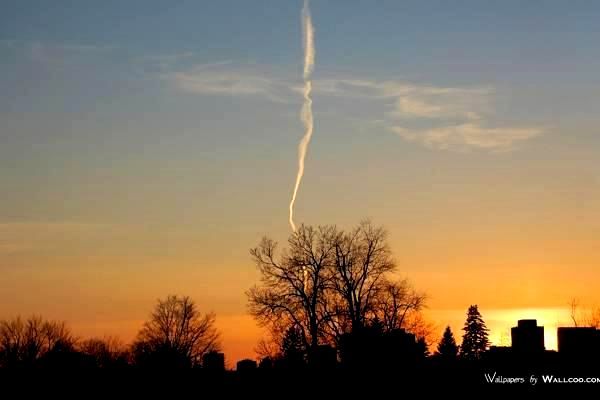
<point x="27" y="343"/>
<point x="177" y="335"/>
<point x="397" y="304"/>
<point x="372" y="347"/>
<point x="475" y="338"/>
<point x="269" y="347"/>
<point x="105" y="353"/>
<point x="447" y="349"/>
<point x="292" y="348"/>
<point x="362" y="258"/>
<point x="590" y="319"/>
<point x="293" y="288"/>
<point x="329" y="283"/>
<point x="594" y="318"/>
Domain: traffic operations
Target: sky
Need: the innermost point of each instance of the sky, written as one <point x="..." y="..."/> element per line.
<point x="146" y="146"/>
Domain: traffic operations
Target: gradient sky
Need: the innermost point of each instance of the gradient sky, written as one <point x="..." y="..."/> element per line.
<point x="145" y="146"/>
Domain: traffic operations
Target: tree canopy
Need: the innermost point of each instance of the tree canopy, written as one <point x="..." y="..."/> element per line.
<point x="329" y="282"/>
<point x="177" y="334"/>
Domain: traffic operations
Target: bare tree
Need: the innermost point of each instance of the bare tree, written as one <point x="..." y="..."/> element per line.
<point x="329" y="283"/>
<point x="574" y="304"/>
<point x="176" y="333"/>
<point x="268" y="348"/>
<point x="593" y="319"/>
<point x="589" y="319"/>
<point x="106" y="352"/>
<point x="292" y="291"/>
<point x="398" y="305"/>
<point x="24" y="342"/>
<point x="362" y="259"/>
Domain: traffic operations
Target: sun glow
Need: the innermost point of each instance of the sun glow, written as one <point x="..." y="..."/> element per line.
<point x="499" y="321"/>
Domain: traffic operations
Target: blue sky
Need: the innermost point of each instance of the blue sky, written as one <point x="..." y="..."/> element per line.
<point x="104" y="94"/>
<point x="388" y="36"/>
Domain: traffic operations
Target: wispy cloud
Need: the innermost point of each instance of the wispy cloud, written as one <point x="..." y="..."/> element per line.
<point x="209" y="79"/>
<point x="435" y="116"/>
<point x="223" y="83"/>
<point x="55" y="54"/>
<point x="61" y="52"/>
<point x="174" y="60"/>
<point x="462" y="104"/>
<point x="439" y="117"/>
<point x="467" y="135"/>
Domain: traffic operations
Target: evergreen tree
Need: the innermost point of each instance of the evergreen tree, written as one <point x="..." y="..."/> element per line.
<point x="292" y="348"/>
<point x="447" y="348"/>
<point x="475" y="339"/>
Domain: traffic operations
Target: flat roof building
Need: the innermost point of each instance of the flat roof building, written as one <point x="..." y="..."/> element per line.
<point x="214" y="361"/>
<point x="579" y="341"/>
<point x="527" y="337"/>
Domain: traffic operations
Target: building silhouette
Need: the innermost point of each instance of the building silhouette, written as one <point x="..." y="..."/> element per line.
<point x="213" y="361"/>
<point x="579" y="342"/>
<point x="246" y="365"/>
<point x="576" y="346"/>
<point x="527" y="337"/>
<point x="527" y="347"/>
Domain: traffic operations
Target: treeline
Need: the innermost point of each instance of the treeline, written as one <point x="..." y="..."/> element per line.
<point x="177" y="335"/>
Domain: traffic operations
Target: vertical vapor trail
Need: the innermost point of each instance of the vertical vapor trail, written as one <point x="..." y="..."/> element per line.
<point x="306" y="115"/>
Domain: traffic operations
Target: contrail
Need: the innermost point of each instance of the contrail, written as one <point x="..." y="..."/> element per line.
<point x="306" y="115"/>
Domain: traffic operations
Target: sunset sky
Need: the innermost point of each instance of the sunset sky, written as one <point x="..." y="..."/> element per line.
<point x="146" y="146"/>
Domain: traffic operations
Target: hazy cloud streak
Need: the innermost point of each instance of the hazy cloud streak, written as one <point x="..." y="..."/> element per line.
<point x="445" y="118"/>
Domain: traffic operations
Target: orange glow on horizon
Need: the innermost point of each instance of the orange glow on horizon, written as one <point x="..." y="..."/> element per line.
<point x="240" y="333"/>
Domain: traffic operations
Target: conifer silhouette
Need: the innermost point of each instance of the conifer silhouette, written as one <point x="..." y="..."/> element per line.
<point x="447" y="349"/>
<point x="475" y="339"/>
